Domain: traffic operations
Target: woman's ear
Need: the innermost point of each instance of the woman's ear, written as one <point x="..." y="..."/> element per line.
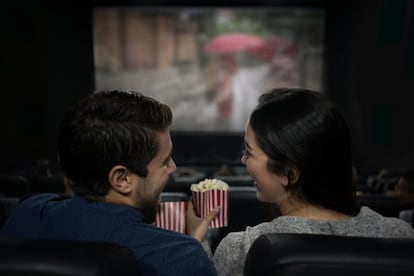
<point x="120" y="179"/>
<point x="293" y="175"/>
<point x="287" y="170"/>
<point x="290" y="174"/>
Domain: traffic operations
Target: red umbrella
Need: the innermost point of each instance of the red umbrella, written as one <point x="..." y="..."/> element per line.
<point x="232" y="42"/>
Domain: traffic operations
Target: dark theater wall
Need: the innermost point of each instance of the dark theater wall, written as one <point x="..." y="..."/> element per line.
<point x="70" y="62"/>
<point x="23" y="80"/>
<point x="46" y="62"/>
<point x="370" y="74"/>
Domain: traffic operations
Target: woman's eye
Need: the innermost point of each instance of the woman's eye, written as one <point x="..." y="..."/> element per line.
<point x="246" y="153"/>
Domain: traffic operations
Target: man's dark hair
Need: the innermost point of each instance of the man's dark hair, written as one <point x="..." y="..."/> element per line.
<point x="301" y="131"/>
<point x="105" y="129"/>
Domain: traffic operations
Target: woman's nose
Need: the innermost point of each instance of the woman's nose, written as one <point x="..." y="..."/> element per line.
<point x="243" y="159"/>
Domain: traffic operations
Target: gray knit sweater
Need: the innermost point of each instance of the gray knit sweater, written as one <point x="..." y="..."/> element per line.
<point x="230" y="254"/>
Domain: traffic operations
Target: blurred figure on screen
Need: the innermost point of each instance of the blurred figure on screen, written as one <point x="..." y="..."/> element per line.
<point x="222" y="70"/>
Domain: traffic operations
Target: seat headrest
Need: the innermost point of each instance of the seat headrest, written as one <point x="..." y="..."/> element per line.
<point x="307" y="254"/>
<point x="65" y="258"/>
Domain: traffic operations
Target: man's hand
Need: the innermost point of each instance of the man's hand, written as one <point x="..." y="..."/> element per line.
<point x="197" y="227"/>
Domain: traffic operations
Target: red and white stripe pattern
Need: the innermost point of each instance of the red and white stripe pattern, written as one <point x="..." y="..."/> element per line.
<point x="206" y="201"/>
<point x="172" y="216"/>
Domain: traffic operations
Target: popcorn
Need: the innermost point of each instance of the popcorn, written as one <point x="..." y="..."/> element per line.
<point x="207" y="195"/>
<point x="209" y="184"/>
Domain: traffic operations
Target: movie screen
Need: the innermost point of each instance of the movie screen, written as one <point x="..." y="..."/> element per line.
<point x="209" y="64"/>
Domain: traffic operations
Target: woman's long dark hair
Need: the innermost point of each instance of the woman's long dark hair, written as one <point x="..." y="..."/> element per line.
<point x="301" y="131"/>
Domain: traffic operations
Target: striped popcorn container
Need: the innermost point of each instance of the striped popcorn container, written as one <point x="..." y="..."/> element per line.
<point x="172" y="216"/>
<point x="204" y="202"/>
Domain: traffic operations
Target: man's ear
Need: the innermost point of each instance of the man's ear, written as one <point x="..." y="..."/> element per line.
<point x="120" y="179"/>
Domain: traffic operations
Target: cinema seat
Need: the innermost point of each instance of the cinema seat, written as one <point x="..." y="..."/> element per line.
<point x="385" y="205"/>
<point x="65" y="258"/>
<point x="305" y="254"/>
<point x="7" y="205"/>
<point x="12" y="185"/>
<point x="174" y="196"/>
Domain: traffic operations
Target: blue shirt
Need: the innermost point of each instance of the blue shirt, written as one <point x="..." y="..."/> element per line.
<point x="158" y="251"/>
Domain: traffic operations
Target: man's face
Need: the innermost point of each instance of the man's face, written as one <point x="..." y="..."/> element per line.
<point x="149" y="188"/>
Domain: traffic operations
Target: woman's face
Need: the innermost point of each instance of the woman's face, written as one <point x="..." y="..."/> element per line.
<point x="269" y="186"/>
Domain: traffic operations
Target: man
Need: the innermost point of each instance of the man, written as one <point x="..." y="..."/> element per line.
<point x="115" y="150"/>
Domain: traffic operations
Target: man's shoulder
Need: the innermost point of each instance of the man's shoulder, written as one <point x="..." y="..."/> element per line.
<point x="168" y="249"/>
<point x="34" y="199"/>
<point x="168" y="235"/>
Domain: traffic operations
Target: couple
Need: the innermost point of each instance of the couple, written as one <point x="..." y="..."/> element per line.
<point x="115" y="150"/>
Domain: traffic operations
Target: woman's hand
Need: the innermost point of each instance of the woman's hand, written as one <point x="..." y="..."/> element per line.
<point x="197" y="227"/>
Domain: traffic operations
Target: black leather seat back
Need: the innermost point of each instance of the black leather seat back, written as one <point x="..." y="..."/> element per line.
<point x="12" y="185"/>
<point x="65" y="258"/>
<point x="305" y="254"/>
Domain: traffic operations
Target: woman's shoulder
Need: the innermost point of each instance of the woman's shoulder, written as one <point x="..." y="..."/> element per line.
<point x="384" y="226"/>
<point x="283" y="224"/>
<point x="278" y="225"/>
<point x="243" y="239"/>
<point x="39" y="199"/>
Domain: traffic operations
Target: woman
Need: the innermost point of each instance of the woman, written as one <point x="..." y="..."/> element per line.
<point x="298" y="152"/>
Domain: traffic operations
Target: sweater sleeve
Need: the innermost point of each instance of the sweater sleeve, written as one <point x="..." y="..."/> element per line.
<point x="230" y="255"/>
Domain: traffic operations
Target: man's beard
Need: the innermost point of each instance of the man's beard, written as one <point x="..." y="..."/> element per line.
<point x="149" y="207"/>
<point x="150" y="212"/>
